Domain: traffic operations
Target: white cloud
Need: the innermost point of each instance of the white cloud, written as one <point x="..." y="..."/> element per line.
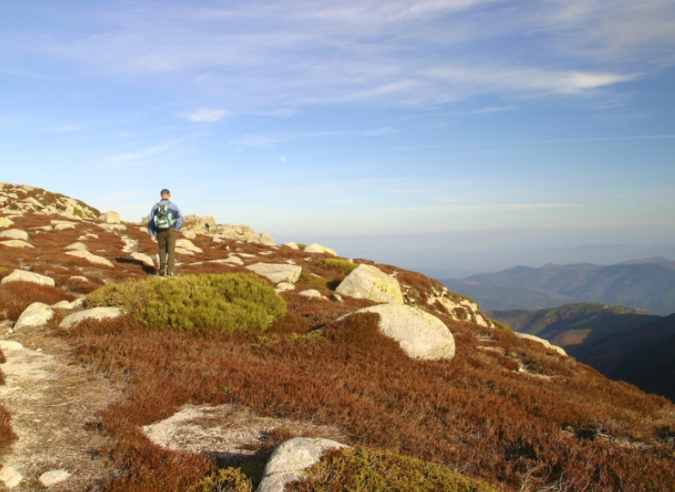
<point x="253" y="57"/>
<point x="163" y="151"/>
<point x="205" y="115"/>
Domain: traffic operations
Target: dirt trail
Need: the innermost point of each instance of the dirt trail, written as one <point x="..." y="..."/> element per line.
<point x="50" y="399"/>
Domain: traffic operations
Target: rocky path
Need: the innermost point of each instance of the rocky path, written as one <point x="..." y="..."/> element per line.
<point x="51" y="399"/>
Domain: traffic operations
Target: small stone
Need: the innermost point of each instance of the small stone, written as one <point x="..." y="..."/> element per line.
<point x="53" y="477"/>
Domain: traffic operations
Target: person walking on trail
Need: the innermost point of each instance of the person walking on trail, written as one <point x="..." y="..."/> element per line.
<point x="164" y="222"/>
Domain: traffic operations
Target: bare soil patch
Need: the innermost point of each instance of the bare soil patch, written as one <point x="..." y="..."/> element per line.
<point x="51" y="399"/>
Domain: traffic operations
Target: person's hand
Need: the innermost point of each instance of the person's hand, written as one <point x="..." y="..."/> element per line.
<point x="153" y="239"/>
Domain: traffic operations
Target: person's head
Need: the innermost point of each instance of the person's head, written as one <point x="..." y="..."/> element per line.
<point x="165" y="194"/>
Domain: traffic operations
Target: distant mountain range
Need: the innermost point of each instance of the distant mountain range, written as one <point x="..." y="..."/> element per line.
<point x="622" y="343"/>
<point x="648" y="285"/>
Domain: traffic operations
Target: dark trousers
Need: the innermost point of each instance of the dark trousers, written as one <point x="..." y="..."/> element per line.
<point x="167" y="246"/>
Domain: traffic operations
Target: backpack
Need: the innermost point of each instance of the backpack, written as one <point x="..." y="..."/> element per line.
<point x="163" y="220"/>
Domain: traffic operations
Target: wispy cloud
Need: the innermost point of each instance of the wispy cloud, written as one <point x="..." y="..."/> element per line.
<point x="289" y="54"/>
<point x="163" y="151"/>
<point x="268" y="140"/>
<point x="205" y="115"/>
<point x="63" y="129"/>
<point x="504" y="207"/>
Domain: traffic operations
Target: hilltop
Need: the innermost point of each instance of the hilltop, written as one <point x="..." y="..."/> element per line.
<point x="136" y="400"/>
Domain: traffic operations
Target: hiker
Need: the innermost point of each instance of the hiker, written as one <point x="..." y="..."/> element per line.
<point x="164" y="222"/>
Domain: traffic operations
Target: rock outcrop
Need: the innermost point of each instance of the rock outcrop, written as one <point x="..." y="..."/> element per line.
<point x="421" y="335"/>
<point x="290" y="460"/>
<point x="369" y="282"/>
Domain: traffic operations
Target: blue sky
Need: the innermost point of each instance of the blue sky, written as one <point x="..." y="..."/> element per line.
<point x="456" y="134"/>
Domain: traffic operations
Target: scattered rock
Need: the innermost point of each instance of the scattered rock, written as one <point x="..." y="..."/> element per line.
<point x="24" y="276"/>
<point x="368" y="282"/>
<point x="37" y="314"/>
<point x="143" y="258"/>
<point x="311" y="293"/>
<point x="61" y="225"/>
<point x="91" y="258"/>
<point x="317" y="248"/>
<point x="277" y="272"/>
<point x="10" y="477"/>
<point x="6" y="222"/>
<point x="16" y="243"/>
<point x="97" y="313"/>
<point x="112" y="227"/>
<point x="14" y="234"/>
<point x="186" y="244"/>
<point x="545" y="343"/>
<point x="77" y="247"/>
<point x="290" y="460"/>
<point x="53" y="477"/>
<point x="110" y="218"/>
<point x="284" y="287"/>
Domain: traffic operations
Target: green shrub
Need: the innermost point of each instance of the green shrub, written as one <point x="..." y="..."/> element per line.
<point x="226" y="480"/>
<point x="230" y="302"/>
<point x="341" y="264"/>
<point x="362" y="469"/>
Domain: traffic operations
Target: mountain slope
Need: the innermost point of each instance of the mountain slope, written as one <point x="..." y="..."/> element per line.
<point x="622" y="343"/>
<point x="504" y="410"/>
<point x="651" y="367"/>
<point x="647" y="285"/>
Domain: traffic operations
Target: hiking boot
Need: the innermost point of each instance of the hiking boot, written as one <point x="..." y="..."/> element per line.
<point x="162" y="270"/>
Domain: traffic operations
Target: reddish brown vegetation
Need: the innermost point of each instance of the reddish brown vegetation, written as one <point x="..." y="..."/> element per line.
<point x="474" y="413"/>
<point x="15" y="297"/>
<point x="505" y="410"/>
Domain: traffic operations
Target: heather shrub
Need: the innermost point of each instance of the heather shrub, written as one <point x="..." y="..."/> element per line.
<point x="363" y="469"/>
<point x="229" y="303"/>
<point x="15" y="297"/>
<point x="338" y="263"/>
<point x="225" y="479"/>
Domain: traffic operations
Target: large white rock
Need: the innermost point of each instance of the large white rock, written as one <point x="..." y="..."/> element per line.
<point x="24" y="276"/>
<point x="277" y="272"/>
<point x="317" y="248"/>
<point x="290" y="460"/>
<point x="97" y="313"/>
<point x="368" y="282"/>
<point x="420" y="334"/>
<point x="14" y="234"/>
<point x="37" y="314"/>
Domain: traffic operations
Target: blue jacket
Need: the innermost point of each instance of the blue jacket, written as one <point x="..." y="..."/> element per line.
<point x="173" y="210"/>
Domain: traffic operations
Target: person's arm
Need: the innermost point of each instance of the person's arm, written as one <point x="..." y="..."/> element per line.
<point x="151" y="224"/>
<point x="178" y="216"/>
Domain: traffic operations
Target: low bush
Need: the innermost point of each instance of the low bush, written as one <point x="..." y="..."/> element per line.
<point x="338" y="263"/>
<point x="230" y="302"/>
<point x="362" y="469"/>
<point x="225" y="479"/>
